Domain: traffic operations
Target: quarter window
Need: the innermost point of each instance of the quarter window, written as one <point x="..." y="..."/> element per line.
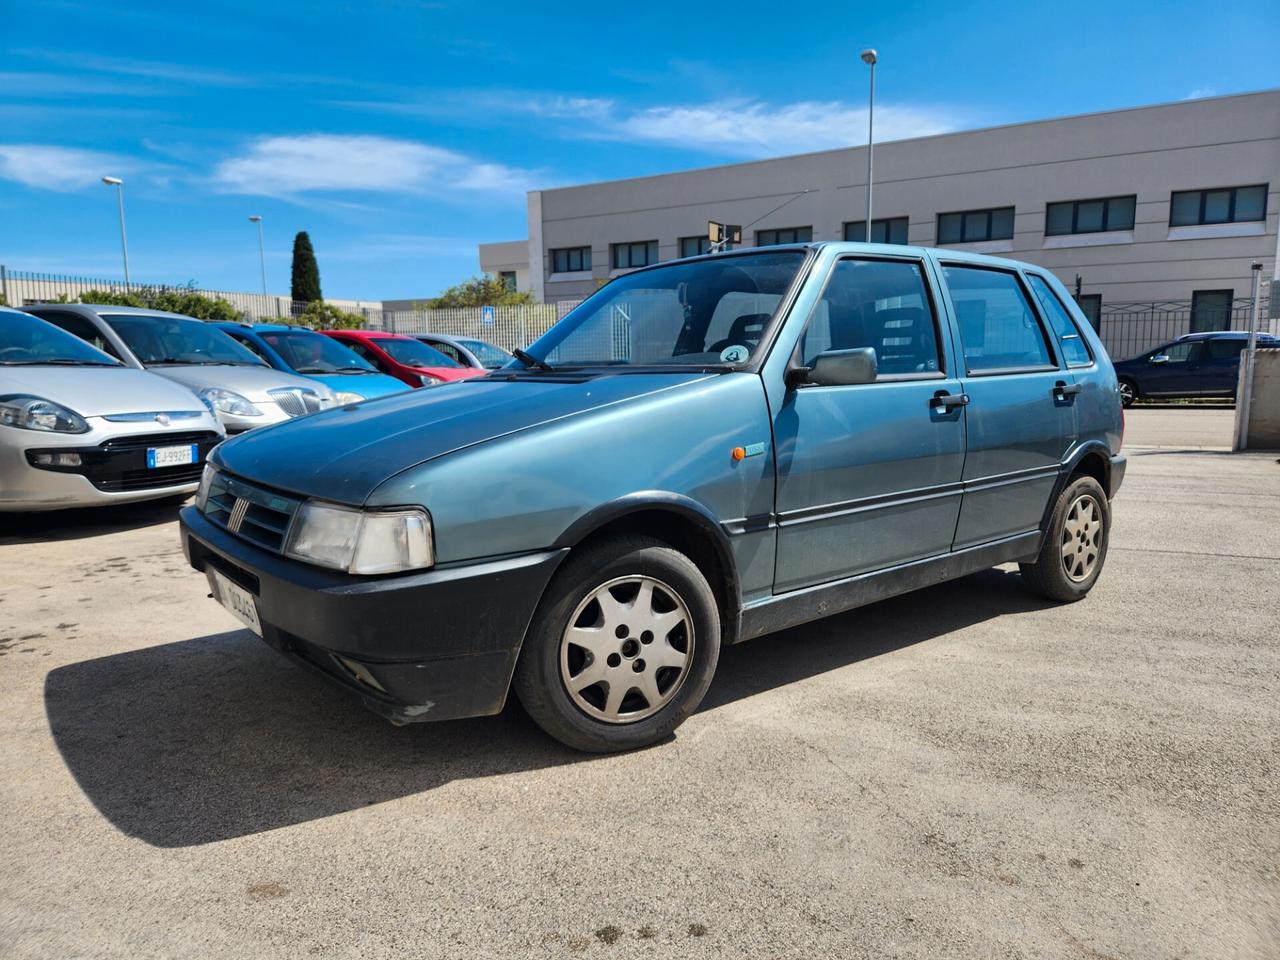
<point x="888" y="230"/>
<point x="998" y="328"/>
<point x="1223" y="349"/>
<point x="882" y="304"/>
<point x="78" y="326"/>
<point x="637" y="254"/>
<point x="570" y="259"/>
<point x="1090" y="216"/>
<point x="974" y="226"/>
<point x="694" y="246"/>
<point x="770" y="238"/>
<point x="1221" y="205"/>
<point x="1064" y="325"/>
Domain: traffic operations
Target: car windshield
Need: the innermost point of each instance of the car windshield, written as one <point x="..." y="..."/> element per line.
<point x="703" y="312"/>
<point x="177" y="340"/>
<point x="488" y="355"/>
<point x="28" y="341"/>
<point x="414" y="353"/>
<point x="308" y="352"/>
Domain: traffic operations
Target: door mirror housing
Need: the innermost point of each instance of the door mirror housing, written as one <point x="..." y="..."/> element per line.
<point x="837" y="368"/>
<point x="1159" y="358"/>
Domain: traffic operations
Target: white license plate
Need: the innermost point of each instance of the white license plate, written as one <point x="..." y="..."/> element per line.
<point x="238" y="601"/>
<point x="172" y="456"/>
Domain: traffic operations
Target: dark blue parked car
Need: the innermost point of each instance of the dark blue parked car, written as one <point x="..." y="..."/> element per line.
<point x="704" y="451"/>
<point x="1195" y="365"/>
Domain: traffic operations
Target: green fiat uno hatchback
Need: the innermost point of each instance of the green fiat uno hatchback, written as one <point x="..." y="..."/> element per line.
<point x="704" y="451"/>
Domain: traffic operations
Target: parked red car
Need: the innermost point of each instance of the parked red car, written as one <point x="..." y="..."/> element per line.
<point x="405" y="358"/>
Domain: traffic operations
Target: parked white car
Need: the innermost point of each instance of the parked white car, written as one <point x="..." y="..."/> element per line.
<point x="242" y="389"/>
<point x="79" y="428"/>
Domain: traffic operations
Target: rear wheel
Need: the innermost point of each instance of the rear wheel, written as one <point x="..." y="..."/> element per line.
<point x="1128" y="392"/>
<point x="1075" y="547"/>
<point x="623" y="646"/>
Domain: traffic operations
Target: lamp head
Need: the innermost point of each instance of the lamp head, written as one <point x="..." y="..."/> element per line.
<point x="255" y="219"/>
<point x="870" y="57"/>
<point x="112" y="181"/>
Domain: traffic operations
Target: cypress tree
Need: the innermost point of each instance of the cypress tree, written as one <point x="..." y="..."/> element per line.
<point x="306" y="272"/>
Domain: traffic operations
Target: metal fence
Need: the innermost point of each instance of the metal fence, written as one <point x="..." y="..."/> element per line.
<point x="1129" y="329"/>
<point x="20" y="287"/>
<point x="506" y="327"/>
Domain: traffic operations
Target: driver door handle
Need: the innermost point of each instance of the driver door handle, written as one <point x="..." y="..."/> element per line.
<point x="948" y="400"/>
<point x="1067" y="389"/>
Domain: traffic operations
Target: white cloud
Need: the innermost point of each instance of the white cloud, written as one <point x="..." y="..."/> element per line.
<point x="57" y="168"/>
<point x="754" y="128"/>
<point x="1199" y="93"/>
<point x="281" y="166"/>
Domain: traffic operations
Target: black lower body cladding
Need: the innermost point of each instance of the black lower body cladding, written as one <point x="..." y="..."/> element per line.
<point x="436" y="645"/>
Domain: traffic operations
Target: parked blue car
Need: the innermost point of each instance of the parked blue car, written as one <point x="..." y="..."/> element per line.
<point x="1194" y="365"/>
<point x="704" y="451"/>
<point x="306" y="353"/>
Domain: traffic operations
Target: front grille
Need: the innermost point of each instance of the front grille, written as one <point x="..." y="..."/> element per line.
<point x="119" y="465"/>
<point x="251" y="512"/>
<point x="296" y="401"/>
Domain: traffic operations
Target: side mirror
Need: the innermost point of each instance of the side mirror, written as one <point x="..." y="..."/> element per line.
<point x="1159" y="358"/>
<point x="837" y="368"/>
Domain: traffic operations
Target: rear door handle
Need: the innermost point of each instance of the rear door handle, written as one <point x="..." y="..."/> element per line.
<point x="1067" y="389"/>
<point x="948" y="400"/>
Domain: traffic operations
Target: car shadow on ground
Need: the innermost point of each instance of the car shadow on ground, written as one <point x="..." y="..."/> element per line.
<point x="219" y="737"/>
<point x="85" y="522"/>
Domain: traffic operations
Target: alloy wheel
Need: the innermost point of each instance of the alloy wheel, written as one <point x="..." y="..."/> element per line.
<point x="627" y="649"/>
<point x="1082" y="538"/>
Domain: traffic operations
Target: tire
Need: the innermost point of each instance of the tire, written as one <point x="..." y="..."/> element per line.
<point x="583" y="678"/>
<point x="1075" y="547"/>
<point x="1128" y="392"/>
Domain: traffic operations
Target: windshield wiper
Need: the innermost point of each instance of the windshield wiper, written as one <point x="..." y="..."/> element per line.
<point x="531" y="361"/>
<point x="58" y="362"/>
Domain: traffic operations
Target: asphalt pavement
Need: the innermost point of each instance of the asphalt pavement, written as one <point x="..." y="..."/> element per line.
<point x="963" y="772"/>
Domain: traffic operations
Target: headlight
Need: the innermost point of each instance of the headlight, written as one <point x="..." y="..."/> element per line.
<point x="345" y="397"/>
<point x="34" y="413"/>
<point x="202" y="491"/>
<point x="225" y="401"/>
<point x="360" y="541"/>
<point x="428" y="380"/>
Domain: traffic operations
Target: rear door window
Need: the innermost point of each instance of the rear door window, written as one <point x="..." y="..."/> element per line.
<point x="998" y="328"/>
<point x="1070" y="342"/>
<point x="1225" y="349"/>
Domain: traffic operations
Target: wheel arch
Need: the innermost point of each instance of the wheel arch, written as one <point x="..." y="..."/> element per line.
<point x="1092" y="459"/>
<point x="682" y="522"/>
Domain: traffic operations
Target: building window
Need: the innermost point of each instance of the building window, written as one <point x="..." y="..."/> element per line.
<point x="974" y="226"/>
<point x="771" y="238"/>
<point x="638" y="254"/>
<point x="695" y="246"/>
<point x="570" y="259"/>
<point x="1090" y="305"/>
<point x="1089" y="216"/>
<point x="1211" y="310"/>
<point x="888" y="230"/>
<point x="508" y="278"/>
<point x="1189" y="208"/>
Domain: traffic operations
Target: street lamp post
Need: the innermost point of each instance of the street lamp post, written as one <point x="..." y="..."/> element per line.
<point x="870" y="58"/>
<point x="262" y="256"/>
<point x="124" y="242"/>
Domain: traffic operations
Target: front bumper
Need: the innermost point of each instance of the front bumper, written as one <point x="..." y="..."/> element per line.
<point x="113" y="467"/>
<point x="436" y="645"/>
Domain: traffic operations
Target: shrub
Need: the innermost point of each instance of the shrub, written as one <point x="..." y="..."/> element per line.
<point x="112" y="298"/>
<point x="480" y="292"/>
<point x="324" y="316"/>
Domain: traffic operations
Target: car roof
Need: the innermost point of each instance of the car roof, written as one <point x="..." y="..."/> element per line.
<point x="850" y="246"/>
<point x="1223" y="335"/>
<point x="98" y="308"/>
<point x="263" y="327"/>
<point x="373" y="334"/>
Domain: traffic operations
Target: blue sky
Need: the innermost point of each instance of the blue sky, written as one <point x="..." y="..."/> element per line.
<point x="400" y="133"/>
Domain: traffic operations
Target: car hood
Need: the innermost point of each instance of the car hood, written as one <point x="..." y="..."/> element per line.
<point x="250" y="382"/>
<point x="368" y="385"/>
<point x="345" y="453"/>
<point x="100" y="391"/>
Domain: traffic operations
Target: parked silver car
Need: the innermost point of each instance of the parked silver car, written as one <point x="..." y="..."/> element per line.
<point x="242" y="390"/>
<point x="78" y="428"/>
<point x="468" y="351"/>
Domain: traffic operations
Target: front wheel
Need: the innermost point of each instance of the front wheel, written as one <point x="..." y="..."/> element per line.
<point x="1075" y="546"/>
<point x="623" y="646"/>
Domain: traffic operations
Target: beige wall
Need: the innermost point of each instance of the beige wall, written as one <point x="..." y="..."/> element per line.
<point x="1150" y="152"/>
<point x="1264" y="410"/>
